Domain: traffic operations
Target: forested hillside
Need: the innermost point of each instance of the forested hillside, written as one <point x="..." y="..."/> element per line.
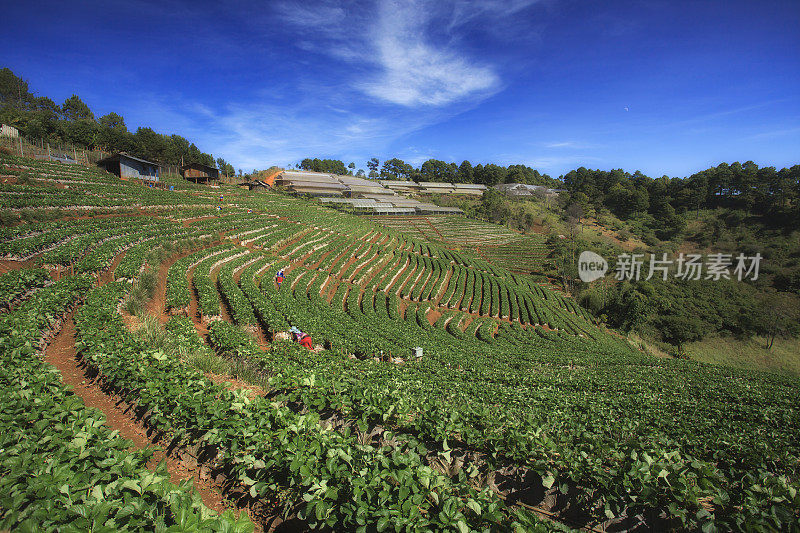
<point x="40" y="119"/>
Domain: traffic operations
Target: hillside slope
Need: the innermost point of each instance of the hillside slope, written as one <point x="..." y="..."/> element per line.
<point x="518" y="401"/>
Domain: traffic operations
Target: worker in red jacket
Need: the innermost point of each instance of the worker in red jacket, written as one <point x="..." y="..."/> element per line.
<point x="304" y="339"/>
<point x="279" y="277"/>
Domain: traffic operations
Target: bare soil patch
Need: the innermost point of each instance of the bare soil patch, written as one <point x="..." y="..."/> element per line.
<point x="232" y="383"/>
<point x="7" y="265"/>
<point x="433" y="315"/>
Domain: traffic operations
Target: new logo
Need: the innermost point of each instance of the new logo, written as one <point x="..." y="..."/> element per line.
<point x="591" y="266"/>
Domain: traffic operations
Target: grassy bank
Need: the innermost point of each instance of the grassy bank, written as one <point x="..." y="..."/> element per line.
<point x="784" y="357"/>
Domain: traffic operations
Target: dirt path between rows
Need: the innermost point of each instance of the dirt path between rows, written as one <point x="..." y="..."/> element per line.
<point x="258" y="330"/>
<point x="194" y="307"/>
<point x="7" y="265"/>
<point x="437" y="298"/>
<point x="108" y="275"/>
<point x="156" y="306"/>
<point x="120" y="416"/>
<point x="224" y="312"/>
<point x="61" y="354"/>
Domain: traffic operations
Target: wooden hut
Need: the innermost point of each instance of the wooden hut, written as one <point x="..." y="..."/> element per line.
<point x="199" y="173"/>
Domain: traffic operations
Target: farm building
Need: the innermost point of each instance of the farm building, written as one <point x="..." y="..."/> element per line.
<point x="357" y="205"/>
<point x="357" y="187"/>
<point x="310" y="183"/>
<point x="431" y="209"/>
<point x="404" y="186"/>
<point x="394" y="211"/>
<point x="469" y="189"/>
<point x="436" y="187"/>
<point x="397" y="201"/>
<point x="256" y="185"/>
<point x="199" y="173"/>
<point x="128" y="167"/>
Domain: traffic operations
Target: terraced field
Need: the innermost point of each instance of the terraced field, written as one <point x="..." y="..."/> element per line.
<point x="521" y="413"/>
<point x="524" y="254"/>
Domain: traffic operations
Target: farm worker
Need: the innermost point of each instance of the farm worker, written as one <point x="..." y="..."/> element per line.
<point x="304" y="339"/>
<point x="279" y="277"/>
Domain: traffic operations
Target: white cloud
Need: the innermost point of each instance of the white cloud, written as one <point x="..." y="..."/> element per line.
<point x="566" y="144"/>
<point x="410" y="55"/>
<point x="324" y="16"/>
<point x="413" y="71"/>
<point x="465" y="11"/>
<point x="406" y="64"/>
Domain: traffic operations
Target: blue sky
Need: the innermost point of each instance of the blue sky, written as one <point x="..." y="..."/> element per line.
<point x="664" y="87"/>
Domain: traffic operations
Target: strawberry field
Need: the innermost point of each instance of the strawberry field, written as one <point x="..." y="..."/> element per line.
<point x="499" y="245"/>
<point x="522" y="413"/>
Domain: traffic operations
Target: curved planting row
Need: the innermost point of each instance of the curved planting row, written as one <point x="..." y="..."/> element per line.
<point x="264" y="308"/>
<point x="61" y="468"/>
<point x="343" y="484"/>
<point x="233" y="297"/>
<point x="177" y="292"/>
<point x="526" y="418"/>
<point x="205" y="288"/>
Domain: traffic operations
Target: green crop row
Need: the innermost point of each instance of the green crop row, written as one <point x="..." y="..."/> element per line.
<point x="207" y="295"/>
<point x="343" y="484"/>
<point x="234" y="298"/>
<point x="177" y="292"/>
<point x="16" y="283"/>
<point x="61" y="467"/>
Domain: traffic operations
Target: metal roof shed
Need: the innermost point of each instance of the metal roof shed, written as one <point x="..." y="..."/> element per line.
<point x="436" y="184"/>
<point x="402" y="183"/>
<point x="287" y="178"/>
<point x="318" y="185"/>
<point x="479" y="186"/>
<point x="394" y="211"/>
<point x="468" y="192"/>
<point x="352" y="180"/>
<point x="128" y="167"/>
<point x="430" y="209"/>
<point x="316" y="191"/>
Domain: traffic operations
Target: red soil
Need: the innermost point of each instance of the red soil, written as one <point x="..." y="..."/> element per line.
<point x="119" y="416"/>
<point x="194" y="308"/>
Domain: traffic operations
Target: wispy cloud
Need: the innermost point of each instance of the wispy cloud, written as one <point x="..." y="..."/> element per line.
<point x="711" y="117"/>
<point x="775" y="133"/>
<point x="258" y="135"/>
<point x="407" y="57"/>
<point x="565" y="144"/>
<point x="411" y="68"/>
<point x="415" y="72"/>
<point x="573" y="145"/>
<point x="466" y="11"/>
<point x="325" y="16"/>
